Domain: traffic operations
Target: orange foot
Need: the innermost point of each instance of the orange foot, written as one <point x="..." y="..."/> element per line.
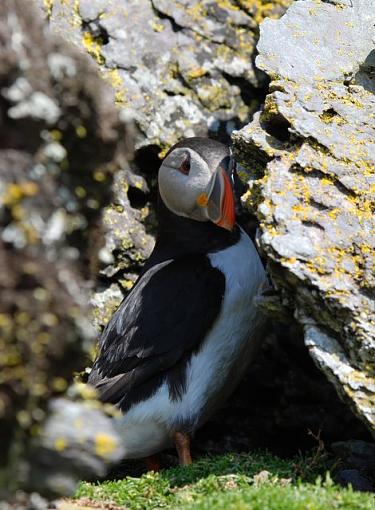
<point x="182" y="442"/>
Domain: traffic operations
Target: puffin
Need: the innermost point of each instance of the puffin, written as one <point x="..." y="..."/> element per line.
<point x="181" y="340"/>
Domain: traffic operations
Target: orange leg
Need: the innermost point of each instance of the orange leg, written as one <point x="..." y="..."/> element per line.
<point x="182" y="442"/>
<point x="153" y="463"/>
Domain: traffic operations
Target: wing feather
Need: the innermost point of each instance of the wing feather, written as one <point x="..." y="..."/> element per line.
<point x="157" y="327"/>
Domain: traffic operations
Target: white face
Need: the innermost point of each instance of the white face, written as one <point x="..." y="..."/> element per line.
<point x="184" y="181"/>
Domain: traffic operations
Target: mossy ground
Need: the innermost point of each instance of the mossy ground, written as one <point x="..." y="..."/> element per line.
<point x="256" y="481"/>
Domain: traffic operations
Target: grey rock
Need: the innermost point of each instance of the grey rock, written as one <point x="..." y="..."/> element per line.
<point x="103" y="303"/>
<point x="321" y="49"/>
<point x="53" y="189"/>
<point x="77" y="441"/>
<point x="354" y="478"/>
<point x="23" y="500"/>
<point x="125" y="234"/>
<point x="127" y="244"/>
<point x="167" y="94"/>
<point x="356" y="454"/>
<point x="37" y="106"/>
<point x="312" y="149"/>
<point x="178" y="68"/>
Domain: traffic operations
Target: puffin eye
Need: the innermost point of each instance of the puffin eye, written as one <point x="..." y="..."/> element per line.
<point x="185" y="165"/>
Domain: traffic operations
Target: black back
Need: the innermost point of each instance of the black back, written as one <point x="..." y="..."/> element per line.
<point x="156" y="329"/>
<point x="169" y="311"/>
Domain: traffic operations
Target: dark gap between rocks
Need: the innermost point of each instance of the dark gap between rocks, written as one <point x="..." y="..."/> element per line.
<point x="98" y="32"/>
<point x="248" y="92"/>
<point x="278" y="127"/>
<point x="137" y="197"/>
<point x="175" y="26"/>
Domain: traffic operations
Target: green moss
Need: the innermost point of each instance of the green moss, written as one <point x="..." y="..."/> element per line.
<point x="249" y="481"/>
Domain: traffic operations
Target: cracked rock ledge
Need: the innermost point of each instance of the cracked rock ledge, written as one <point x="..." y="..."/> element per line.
<point x="310" y="154"/>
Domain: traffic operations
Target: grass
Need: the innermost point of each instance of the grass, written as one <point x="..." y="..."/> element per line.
<point x="256" y="481"/>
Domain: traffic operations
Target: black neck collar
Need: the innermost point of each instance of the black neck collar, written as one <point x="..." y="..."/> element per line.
<point x="179" y="237"/>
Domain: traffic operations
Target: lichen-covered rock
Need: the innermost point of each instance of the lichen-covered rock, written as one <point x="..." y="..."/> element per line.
<point x="58" y="150"/>
<point x="127" y="244"/>
<point x="125" y="232"/>
<point x="77" y="441"/>
<point x="314" y="145"/>
<point x="179" y="68"/>
<point x="167" y="53"/>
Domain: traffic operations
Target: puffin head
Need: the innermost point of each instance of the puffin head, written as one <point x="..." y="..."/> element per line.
<point x="195" y="181"/>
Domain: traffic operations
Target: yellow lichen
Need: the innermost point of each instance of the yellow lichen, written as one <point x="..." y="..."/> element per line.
<point x="264" y="8"/>
<point x="163" y="152"/>
<point x="58" y="383"/>
<point x="80" y="192"/>
<point x="60" y="444"/>
<point x="197" y="72"/>
<point x="85" y="391"/>
<point x="104" y="445"/>
<point x="93" y="46"/>
<point x="56" y="135"/>
<point x="126" y="284"/>
<point x="197" y="11"/>
<point x="15" y="192"/>
<point x="120" y="98"/>
<point x="270" y="108"/>
<point x="114" y="78"/>
<point x="329" y="117"/>
<point x="99" y="176"/>
<point x="157" y="27"/>
<point x="81" y="131"/>
<point x="333" y="213"/>
<point x="48" y="7"/>
<point x="226" y="4"/>
<point x="288" y="261"/>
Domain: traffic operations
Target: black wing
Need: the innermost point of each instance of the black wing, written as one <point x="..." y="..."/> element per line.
<point x="155" y="330"/>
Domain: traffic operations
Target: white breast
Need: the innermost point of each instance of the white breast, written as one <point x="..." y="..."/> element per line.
<point x="229" y="345"/>
<point x="215" y="369"/>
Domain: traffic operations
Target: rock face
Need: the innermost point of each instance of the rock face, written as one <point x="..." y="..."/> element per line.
<point x="311" y="151"/>
<point x="53" y="187"/>
<point x="127" y="243"/>
<point x="77" y="441"/>
<point x="181" y="68"/>
<point x="189" y="69"/>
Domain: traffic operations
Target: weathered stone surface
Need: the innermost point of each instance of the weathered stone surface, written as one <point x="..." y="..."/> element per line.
<point x="77" y="441"/>
<point x="127" y="244"/>
<point x="179" y="68"/>
<point x="160" y="82"/>
<point x="53" y="186"/>
<point x="314" y="144"/>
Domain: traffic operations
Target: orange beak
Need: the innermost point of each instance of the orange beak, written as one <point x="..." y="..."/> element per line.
<point x="221" y="204"/>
